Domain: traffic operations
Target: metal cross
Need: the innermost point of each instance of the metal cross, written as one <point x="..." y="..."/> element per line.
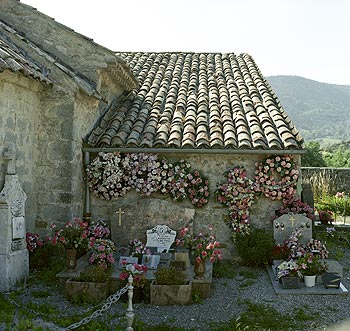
<point x="292" y="218"/>
<point x="120" y="212"/>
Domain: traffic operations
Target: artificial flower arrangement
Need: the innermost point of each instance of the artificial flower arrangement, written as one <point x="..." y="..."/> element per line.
<point x="112" y="175"/>
<point x="98" y="229"/>
<point x="289" y="268"/>
<point x="238" y="194"/>
<point x="203" y="245"/>
<point x="325" y="217"/>
<point x="277" y="177"/>
<point x="137" y="271"/>
<point x="138" y="249"/>
<point x="73" y="235"/>
<point x="310" y="265"/>
<point x="100" y="252"/>
<point x="294" y="205"/>
<point x="33" y="242"/>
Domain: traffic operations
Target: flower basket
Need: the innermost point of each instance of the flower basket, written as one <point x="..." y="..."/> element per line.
<point x="290" y="282"/>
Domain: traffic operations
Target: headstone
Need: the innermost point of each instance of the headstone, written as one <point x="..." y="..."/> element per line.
<point x="151" y="261"/>
<point x="14" y="256"/>
<point x="162" y="237"/>
<point x="284" y="225"/>
<point x="136" y="218"/>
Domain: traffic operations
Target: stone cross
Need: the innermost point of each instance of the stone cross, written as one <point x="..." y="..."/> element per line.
<point x="119" y="212"/>
<point x="10" y="155"/>
<point x="292" y="219"/>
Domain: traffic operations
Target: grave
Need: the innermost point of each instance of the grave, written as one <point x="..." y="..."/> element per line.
<point x="133" y="220"/>
<point x="14" y="256"/>
<point x="160" y="238"/>
<point x="284" y="225"/>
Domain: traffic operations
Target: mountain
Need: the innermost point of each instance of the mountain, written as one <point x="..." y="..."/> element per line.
<point x="320" y="111"/>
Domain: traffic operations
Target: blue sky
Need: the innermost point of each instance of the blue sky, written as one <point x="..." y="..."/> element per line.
<point x="309" y="38"/>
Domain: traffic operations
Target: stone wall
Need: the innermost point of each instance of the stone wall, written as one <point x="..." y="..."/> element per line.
<point x="19" y="113"/>
<point x="212" y="166"/>
<point x="339" y="176"/>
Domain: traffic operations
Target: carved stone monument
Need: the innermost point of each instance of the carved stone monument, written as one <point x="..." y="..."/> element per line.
<point x="14" y="257"/>
<point x="284" y="225"/>
<point x="161" y="237"/>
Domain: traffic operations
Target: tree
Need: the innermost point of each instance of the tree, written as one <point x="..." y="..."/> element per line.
<point x="313" y="156"/>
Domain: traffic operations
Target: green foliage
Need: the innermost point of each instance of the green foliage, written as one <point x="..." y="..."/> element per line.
<point x="94" y="273"/>
<point x="6" y="310"/>
<point x="338" y="155"/>
<point x="224" y="269"/>
<point x="256" y="248"/>
<point x="313" y="156"/>
<point x="339" y="206"/>
<point x="46" y="256"/>
<point x="170" y="276"/>
<point x="40" y="294"/>
<point x="266" y="317"/>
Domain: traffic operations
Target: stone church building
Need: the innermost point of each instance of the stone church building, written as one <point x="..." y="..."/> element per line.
<point x="64" y="98"/>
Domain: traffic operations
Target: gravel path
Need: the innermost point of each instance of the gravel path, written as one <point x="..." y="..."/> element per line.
<point x="228" y="302"/>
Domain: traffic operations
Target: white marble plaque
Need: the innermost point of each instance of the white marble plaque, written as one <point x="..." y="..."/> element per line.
<point x="18" y="228"/>
<point x="162" y="237"/>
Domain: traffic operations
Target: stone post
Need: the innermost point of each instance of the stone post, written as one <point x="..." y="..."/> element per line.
<point x="130" y="311"/>
<point x="14" y="257"/>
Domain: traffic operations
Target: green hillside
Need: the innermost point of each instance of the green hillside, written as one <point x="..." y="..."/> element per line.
<point x="320" y="111"/>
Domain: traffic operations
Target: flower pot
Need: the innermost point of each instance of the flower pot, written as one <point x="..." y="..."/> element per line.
<point x="167" y="295"/>
<point x="199" y="269"/>
<point x="310" y="281"/>
<point x="86" y="292"/>
<point x="71" y="259"/>
<point x="290" y="282"/>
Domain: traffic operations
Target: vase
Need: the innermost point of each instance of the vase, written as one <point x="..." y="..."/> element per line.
<point x="199" y="269"/>
<point x="310" y="281"/>
<point x="71" y="259"/>
<point x="290" y="282"/>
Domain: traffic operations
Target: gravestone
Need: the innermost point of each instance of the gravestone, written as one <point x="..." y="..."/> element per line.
<point x="284" y="225"/>
<point x="131" y="221"/>
<point x="14" y="256"/>
<point x="161" y="237"/>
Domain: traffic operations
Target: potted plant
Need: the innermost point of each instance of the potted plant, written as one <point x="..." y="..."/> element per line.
<point x="310" y="267"/>
<point x="138" y="249"/>
<point x="288" y="272"/>
<point x="91" y="286"/>
<point x="204" y="247"/>
<point x="72" y="237"/>
<point x="100" y="252"/>
<point x="138" y="272"/>
<point x="170" y="287"/>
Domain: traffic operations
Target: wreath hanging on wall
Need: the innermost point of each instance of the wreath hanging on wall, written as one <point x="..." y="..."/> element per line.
<point x="276" y="178"/>
<point x="112" y="175"/>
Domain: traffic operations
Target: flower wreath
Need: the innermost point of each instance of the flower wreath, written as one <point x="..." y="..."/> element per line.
<point x="238" y="195"/>
<point x="277" y="177"/>
<point x="112" y="175"/>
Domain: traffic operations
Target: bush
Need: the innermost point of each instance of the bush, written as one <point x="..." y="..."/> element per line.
<point x="170" y="276"/>
<point x="255" y="249"/>
<point x="94" y="274"/>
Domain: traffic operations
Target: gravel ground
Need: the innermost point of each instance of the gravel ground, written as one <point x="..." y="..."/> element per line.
<point x="226" y="303"/>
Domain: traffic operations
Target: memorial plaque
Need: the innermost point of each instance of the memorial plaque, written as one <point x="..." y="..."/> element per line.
<point x="162" y="237"/>
<point x="284" y="225"/>
<point x="151" y="261"/>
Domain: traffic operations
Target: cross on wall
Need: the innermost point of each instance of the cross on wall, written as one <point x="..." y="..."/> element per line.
<point x="119" y="212"/>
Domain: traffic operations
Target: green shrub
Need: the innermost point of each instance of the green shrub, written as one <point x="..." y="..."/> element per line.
<point x="94" y="273"/>
<point x="170" y="276"/>
<point x="256" y="248"/>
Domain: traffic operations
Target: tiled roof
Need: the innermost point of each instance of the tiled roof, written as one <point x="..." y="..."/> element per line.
<point x="192" y="101"/>
<point x="12" y="59"/>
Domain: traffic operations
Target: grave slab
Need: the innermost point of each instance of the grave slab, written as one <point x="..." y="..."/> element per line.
<point x="318" y="289"/>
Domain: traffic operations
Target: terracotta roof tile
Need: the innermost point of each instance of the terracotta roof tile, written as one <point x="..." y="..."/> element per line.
<point x="191" y="100"/>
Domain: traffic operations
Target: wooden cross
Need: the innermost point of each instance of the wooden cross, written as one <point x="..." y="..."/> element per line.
<point x="292" y="218"/>
<point x="120" y="212"/>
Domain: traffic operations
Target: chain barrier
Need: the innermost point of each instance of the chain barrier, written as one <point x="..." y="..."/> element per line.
<point x="109" y="301"/>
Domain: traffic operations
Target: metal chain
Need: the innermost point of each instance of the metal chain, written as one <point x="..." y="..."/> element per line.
<point x="109" y="301"/>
